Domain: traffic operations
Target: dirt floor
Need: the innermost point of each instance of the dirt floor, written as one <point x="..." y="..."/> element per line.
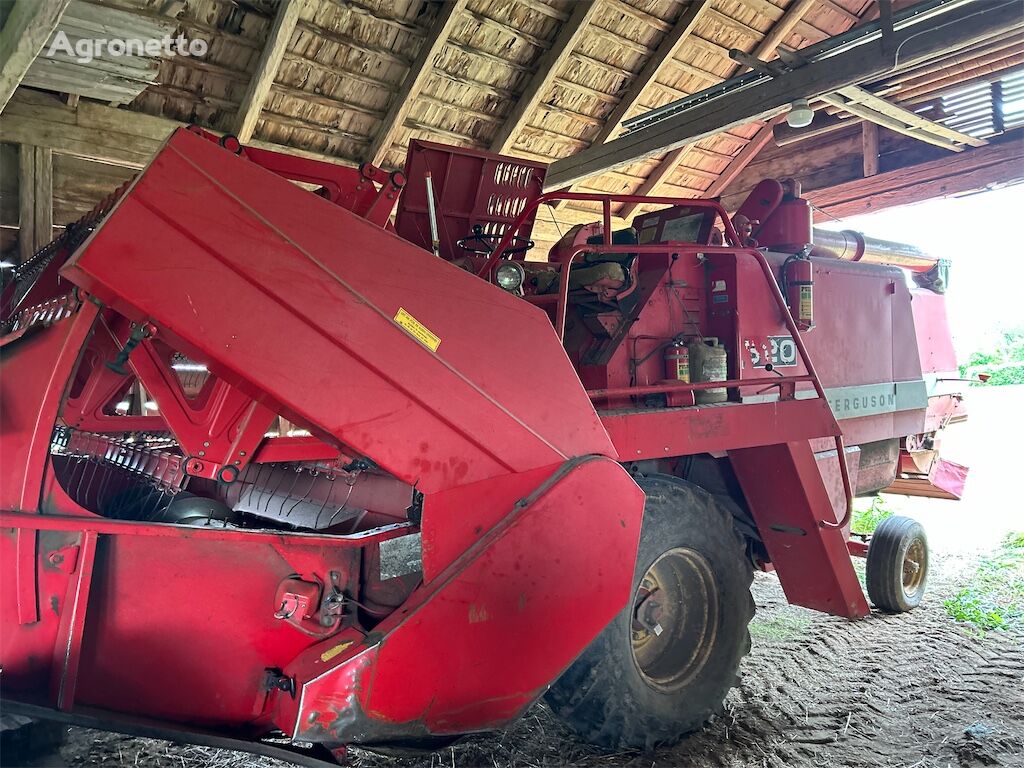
<point x="916" y="691"/>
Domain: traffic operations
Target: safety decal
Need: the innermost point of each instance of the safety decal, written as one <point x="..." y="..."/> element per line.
<point x="417" y="330"/>
<point x="330" y="653"/>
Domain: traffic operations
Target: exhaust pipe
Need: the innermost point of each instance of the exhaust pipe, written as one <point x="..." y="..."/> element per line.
<point x="854" y="246"/>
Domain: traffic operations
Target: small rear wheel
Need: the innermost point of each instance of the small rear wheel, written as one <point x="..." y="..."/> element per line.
<point x="897" y="567"/>
<point x="666" y="662"/>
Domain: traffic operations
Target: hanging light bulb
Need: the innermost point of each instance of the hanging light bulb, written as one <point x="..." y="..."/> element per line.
<point x="800" y="114"/>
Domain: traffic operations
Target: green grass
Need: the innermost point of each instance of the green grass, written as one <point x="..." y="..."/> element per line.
<point x="781" y="626"/>
<point x="866" y="519"/>
<point x="993" y="597"/>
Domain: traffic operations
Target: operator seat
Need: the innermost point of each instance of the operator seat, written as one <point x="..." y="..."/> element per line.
<point x="608" y="277"/>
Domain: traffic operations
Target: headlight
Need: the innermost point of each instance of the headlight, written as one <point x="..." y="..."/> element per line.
<point x="510" y="276"/>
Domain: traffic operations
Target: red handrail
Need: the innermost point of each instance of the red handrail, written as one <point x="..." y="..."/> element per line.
<point x="683" y="386"/>
<point x="606" y="206"/>
<point x="731" y="237"/>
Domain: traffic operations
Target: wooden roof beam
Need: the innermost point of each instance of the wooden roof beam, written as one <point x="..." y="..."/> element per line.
<point x="954" y="29"/>
<point x="550" y="63"/>
<point x="416" y="78"/>
<point x="665" y="53"/>
<point x="28" y="27"/>
<point x="771" y="11"/>
<point x="866" y="105"/>
<point x="779" y="32"/>
<point x="262" y="80"/>
<point x="782" y="29"/>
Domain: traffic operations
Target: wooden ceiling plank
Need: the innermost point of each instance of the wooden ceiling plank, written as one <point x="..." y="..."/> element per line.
<point x="29" y="25"/>
<point x="104" y="134"/>
<point x="656" y="178"/>
<point x="262" y="80"/>
<point x="774" y="12"/>
<point x="844" y="12"/>
<point x="642" y="16"/>
<point x="569" y="35"/>
<point x="544" y="8"/>
<point x="415" y="80"/>
<point x="734" y="24"/>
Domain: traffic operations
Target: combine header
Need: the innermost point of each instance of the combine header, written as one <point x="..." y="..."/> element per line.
<point x="277" y="477"/>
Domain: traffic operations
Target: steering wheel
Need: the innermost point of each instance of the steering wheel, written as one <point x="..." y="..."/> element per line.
<point x="482" y="243"/>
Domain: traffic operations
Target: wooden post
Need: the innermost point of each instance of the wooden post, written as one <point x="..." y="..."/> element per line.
<point x="415" y="79"/>
<point x="43" y="196"/>
<point x="869" y="140"/>
<point x="35" y="199"/>
<point x="26" y="201"/>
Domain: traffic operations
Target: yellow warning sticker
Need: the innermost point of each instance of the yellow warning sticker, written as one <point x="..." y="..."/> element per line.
<point x="806" y="309"/>
<point x="330" y="653"/>
<point x="417" y="330"/>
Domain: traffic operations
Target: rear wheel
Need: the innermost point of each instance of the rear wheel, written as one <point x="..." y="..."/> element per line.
<point x="897" y="567"/>
<point x="666" y="662"/>
<point x="30" y="743"/>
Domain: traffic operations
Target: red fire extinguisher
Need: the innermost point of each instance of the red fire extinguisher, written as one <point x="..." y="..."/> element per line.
<point x="798" y="288"/>
<point x="677" y="361"/>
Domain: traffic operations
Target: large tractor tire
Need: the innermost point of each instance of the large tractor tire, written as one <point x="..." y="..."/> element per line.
<point x="666" y="662"/>
<point x="28" y="743"/>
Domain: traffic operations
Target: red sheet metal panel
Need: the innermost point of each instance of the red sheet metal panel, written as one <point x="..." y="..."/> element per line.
<point x="656" y="434"/>
<point x="789" y="500"/>
<point x="476" y="647"/>
<point x="405" y="358"/>
<point x="470" y="188"/>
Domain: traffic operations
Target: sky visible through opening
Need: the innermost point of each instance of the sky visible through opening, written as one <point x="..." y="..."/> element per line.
<point x="981" y="235"/>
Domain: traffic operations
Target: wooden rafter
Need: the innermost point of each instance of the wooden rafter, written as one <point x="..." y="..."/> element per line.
<point x="783" y="28"/>
<point x="866" y="105"/>
<point x="262" y="80"/>
<point x="548" y="66"/>
<point x="742" y="159"/>
<point x="416" y="78"/>
<point x="28" y="27"/>
<point x="776" y="35"/>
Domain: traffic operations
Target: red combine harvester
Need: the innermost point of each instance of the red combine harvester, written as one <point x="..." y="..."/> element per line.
<point x="277" y="477"/>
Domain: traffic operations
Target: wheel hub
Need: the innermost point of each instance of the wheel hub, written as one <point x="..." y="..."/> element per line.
<point x="675" y="618"/>
<point x="913" y="567"/>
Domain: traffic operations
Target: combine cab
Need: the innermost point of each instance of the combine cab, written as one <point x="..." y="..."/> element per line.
<point x="282" y="475"/>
